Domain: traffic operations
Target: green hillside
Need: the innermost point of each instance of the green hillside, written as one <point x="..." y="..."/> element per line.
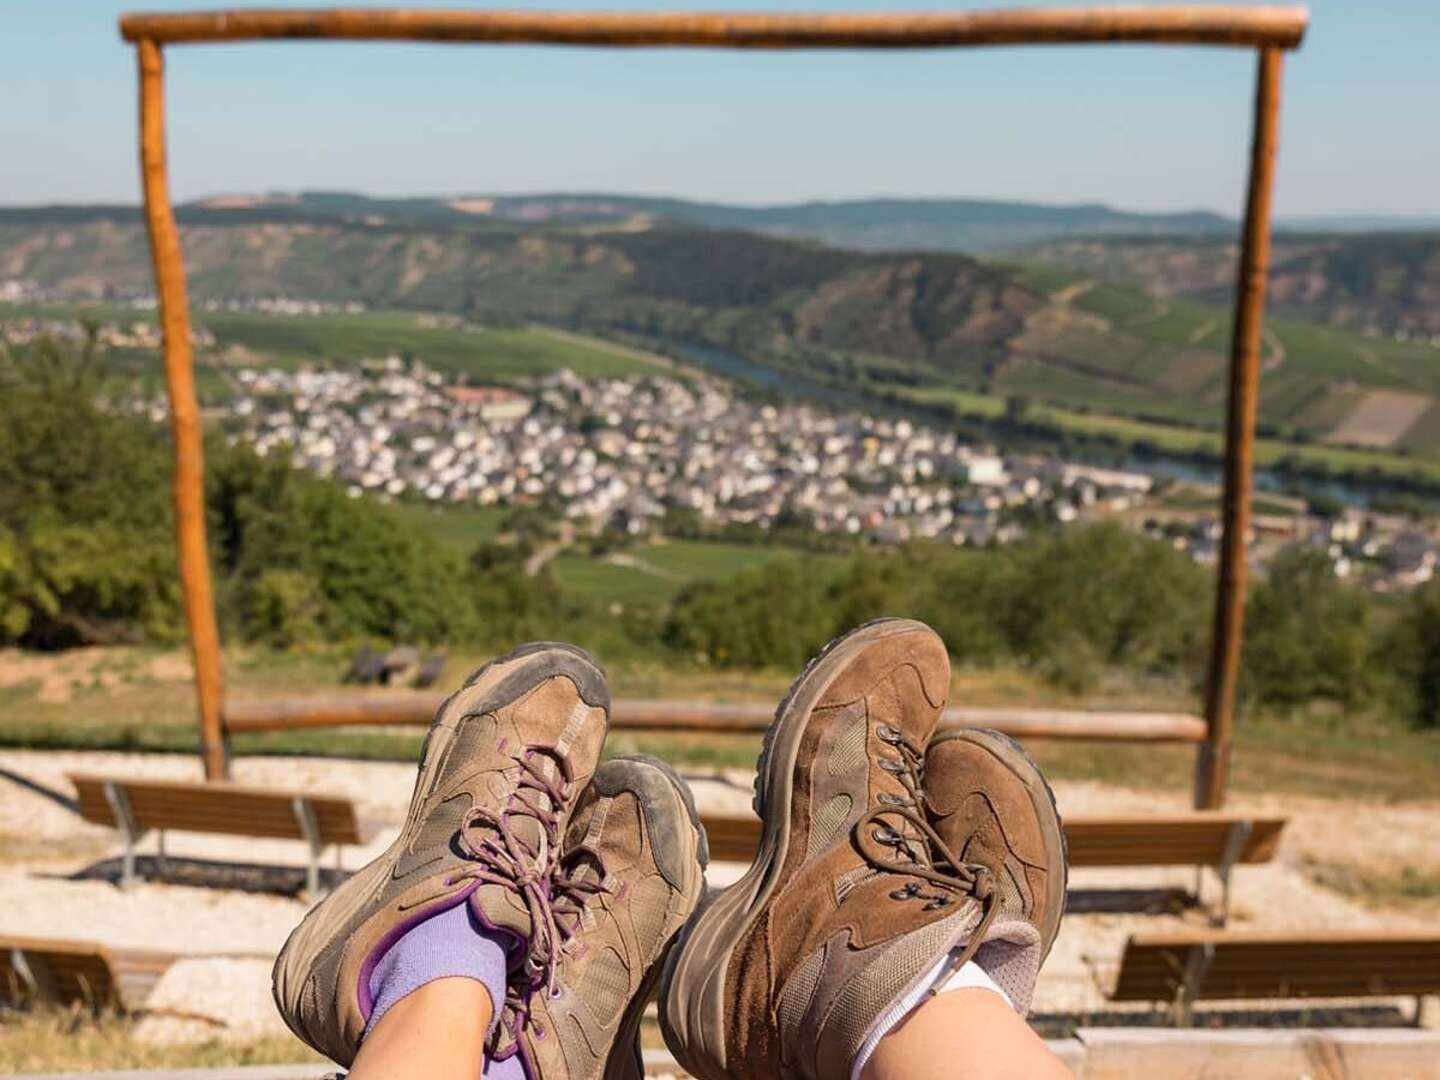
<point x="893" y="327"/>
<point x="1383" y="281"/>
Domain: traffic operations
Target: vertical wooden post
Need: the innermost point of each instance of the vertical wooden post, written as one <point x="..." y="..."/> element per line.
<point x="184" y="412"/>
<point x="1213" y="764"/>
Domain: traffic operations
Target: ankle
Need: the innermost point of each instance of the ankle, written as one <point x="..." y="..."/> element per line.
<point x="437" y="1031"/>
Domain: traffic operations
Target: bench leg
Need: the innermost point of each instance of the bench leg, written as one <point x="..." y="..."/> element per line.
<point x="35" y="974"/>
<point x="125" y="820"/>
<point x="1234" y="847"/>
<point x="161" y="864"/>
<point x="1197" y="964"/>
<point x="310" y="829"/>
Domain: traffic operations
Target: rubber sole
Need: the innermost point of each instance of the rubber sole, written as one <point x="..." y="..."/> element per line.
<point x="1042" y="798"/>
<point x="692" y="1014"/>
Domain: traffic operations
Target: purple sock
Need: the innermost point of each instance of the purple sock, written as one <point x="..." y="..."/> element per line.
<point x="509" y="1069"/>
<point x="446" y="945"/>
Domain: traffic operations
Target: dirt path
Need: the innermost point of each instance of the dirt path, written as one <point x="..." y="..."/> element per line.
<point x="1071" y="293"/>
<point x="1201" y="332"/>
<point x="600" y="344"/>
<point x="1276" y="357"/>
<point x="632" y="562"/>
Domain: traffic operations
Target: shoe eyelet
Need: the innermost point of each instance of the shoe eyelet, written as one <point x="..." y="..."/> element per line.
<point x="555" y="993"/>
<point x="888" y="799"/>
<point x="888" y="734"/>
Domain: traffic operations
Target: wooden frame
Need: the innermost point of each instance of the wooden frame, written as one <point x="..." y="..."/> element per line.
<point x="1268" y="30"/>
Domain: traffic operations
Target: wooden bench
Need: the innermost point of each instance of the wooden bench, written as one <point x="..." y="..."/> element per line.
<point x="1187" y="966"/>
<point x="84" y="972"/>
<point x="1213" y="839"/>
<point x="135" y="807"/>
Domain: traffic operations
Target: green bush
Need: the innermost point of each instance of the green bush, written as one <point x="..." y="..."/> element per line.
<point x="1069" y="603"/>
<point x="774" y="615"/>
<point x="1414" y="649"/>
<point x="86" y="553"/>
<point x="1308" y="636"/>
<point x="299" y="549"/>
<point x="87" y="541"/>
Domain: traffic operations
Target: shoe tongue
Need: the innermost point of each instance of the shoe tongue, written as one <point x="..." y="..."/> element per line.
<point x="500" y="909"/>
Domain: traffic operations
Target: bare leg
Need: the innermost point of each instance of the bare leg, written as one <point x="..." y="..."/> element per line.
<point x="436" y="1033"/>
<point x="968" y="1034"/>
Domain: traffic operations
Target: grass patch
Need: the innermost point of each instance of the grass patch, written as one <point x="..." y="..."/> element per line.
<point x="1116" y="303"/>
<point x="481" y="351"/>
<point x="596" y="579"/>
<point x="64" y="1040"/>
<point x="459" y="528"/>
<point x="485" y="352"/>
<point x="706" y="560"/>
<point x="1405" y="887"/>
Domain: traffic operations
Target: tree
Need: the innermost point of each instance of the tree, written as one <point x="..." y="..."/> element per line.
<point x="1415" y="648"/>
<point x="85" y="545"/>
<point x="1307" y="635"/>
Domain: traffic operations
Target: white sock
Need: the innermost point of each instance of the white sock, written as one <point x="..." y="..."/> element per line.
<point x="943" y="977"/>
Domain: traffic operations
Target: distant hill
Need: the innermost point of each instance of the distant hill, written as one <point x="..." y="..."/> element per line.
<point x="940" y="328"/>
<point x="780" y="300"/>
<point x="969" y="225"/>
<point x="1382" y="281"/>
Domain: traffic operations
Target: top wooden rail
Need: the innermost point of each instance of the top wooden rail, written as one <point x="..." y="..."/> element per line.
<point x="1257" y="26"/>
<point x="282" y="714"/>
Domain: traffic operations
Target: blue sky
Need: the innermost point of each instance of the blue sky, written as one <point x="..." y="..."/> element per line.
<point x="1137" y="127"/>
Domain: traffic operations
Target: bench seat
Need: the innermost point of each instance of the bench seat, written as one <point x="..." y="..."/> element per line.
<point x="136" y="806"/>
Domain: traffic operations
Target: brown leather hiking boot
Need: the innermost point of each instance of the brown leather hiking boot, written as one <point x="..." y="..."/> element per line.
<point x="991" y="807"/>
<point x="844" y="910"/>
<point x="506" y="759"/>
<point x="632" y="873"/>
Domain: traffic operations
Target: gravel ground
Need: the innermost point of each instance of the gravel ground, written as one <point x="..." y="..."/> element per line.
<point x="228" y="938"/>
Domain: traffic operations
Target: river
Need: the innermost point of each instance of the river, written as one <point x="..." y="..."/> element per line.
<point x="736" y="367"/>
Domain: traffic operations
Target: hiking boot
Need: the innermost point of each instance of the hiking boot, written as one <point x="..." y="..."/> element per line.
<point x="507" y="756"/>
<point x="632" y="873"/>
<point x="991" y="807"/>
<point x="844" y="911"/>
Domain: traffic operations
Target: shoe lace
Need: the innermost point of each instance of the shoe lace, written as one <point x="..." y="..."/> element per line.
<point x="576" y="884"/>
<point x="573" y="886"/>
<point x="501" y="856"/>
<point x="895" y="837"/>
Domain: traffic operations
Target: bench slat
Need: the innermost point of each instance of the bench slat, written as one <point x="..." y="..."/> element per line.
<point x="220" y="808"/>
<point x="1249" y="966"/>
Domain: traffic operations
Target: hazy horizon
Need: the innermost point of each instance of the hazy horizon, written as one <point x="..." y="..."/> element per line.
<point x="1138" y="128"/>
<point x="1339" y="219"/>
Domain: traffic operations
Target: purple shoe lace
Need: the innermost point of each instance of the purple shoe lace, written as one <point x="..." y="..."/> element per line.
<point x="503" y="857"/>
<point x="573" y="887"/>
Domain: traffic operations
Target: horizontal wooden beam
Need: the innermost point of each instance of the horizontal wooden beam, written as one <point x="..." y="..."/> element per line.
<point x="284" y="714"/>
<point x="1241" y="25"/>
